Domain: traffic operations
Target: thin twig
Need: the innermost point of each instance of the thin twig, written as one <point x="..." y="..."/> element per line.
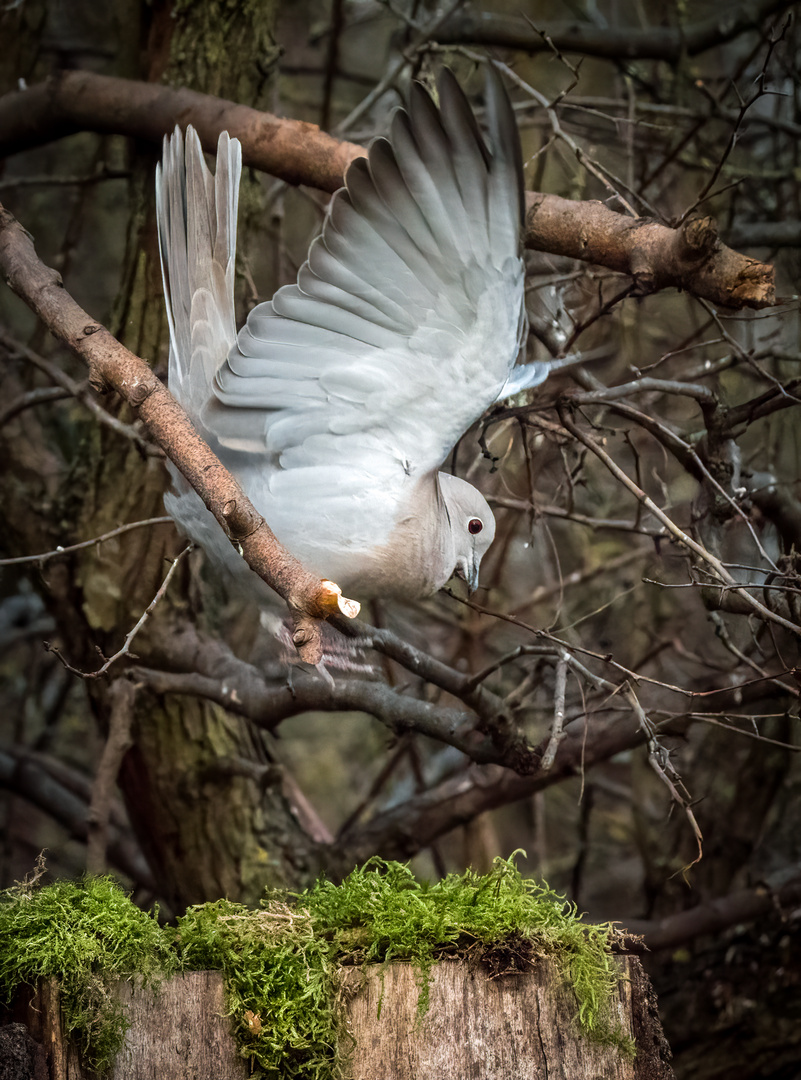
<point x="557" y="730"/>
<point x="46" y="555"/>
<point x="408" y="58"/>
<point x="675" y="531"/>
<point x="123" y="651"/>
<point x="80" y="391"/>
<point x="659" y="760"/>
<point x="744" y="107"/>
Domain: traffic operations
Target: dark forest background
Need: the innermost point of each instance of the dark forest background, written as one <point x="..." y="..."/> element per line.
<point x="622" y="694"/>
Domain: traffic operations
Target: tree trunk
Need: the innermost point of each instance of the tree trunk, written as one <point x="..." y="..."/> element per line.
<point x="206" y="809"/>
<point x="511" y="1027"/>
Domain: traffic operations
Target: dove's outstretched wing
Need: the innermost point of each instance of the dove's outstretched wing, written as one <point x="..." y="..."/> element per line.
<point x="407" y="317"/>
<point x="340" y="398"/>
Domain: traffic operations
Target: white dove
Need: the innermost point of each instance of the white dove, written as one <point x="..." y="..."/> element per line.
<point x="340" y="398"/>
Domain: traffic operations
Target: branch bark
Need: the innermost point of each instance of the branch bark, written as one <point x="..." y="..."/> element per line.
<point x="121" y="713"/>
<point x="657" y="257"/>
<point x="112" y="366"/>
<point x="205" y="667"/>
<point x="71" y="101"/>
<point x="712" y="916"/>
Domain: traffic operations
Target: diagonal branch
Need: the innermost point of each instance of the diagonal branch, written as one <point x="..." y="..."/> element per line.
<point x="403" y="830"/>
<point x="722" y="574"/>
<point x="113" y="367"/>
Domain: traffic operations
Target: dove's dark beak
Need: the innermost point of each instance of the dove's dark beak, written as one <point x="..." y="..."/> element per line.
<point x="467" y="570"/>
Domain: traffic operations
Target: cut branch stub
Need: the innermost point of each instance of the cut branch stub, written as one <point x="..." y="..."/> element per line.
<point x="112" y="366"/>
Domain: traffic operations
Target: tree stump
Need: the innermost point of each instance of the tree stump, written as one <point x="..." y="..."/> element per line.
<point x="510" y="1027"/>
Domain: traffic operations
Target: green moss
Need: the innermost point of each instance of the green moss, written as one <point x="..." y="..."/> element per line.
<point x="281" y="964"/>
<point x="279" y="978"/>
<point x="85" y="935"/>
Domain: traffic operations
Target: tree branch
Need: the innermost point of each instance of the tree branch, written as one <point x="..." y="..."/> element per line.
<point x="611" y="43"/>
<point x="82" y="101"/>
<point x="206" y="668"/>
<point x="26" y="777"/>
<point x="122" y="695"/>
<point x="712" y="917"/>
<point x="267" y="707"/>
<point x="405" y="829"/>
<point x="657" y="257"/>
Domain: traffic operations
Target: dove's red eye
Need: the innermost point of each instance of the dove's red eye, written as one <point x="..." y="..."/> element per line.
<point x="475" y="525"/>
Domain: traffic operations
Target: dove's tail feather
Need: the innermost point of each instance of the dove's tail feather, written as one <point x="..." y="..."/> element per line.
<point x="196" y="214"/>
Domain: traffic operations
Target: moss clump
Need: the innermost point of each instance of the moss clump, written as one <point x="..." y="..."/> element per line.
<point x="281" y="963"/>
<point x="279" y="978"/>
<point x="86" y="935"/>
<point x="403" y="919"/>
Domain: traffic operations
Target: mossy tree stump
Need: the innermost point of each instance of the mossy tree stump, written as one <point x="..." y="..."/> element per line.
<point x="493" y="1027"/>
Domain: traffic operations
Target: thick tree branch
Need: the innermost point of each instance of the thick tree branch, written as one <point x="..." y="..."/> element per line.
<point x="292" y="150"/>
<point x="713" y="916"/>
<point x="405" y="829"/>
<point x="112" y="366"/>
<point x="609" y="42"/>
<point x="267" y="707"/>
<point x="657" y="257"/>
<point x="205" y="667"/>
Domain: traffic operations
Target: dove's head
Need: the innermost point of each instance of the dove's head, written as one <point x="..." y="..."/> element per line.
<point x="469" y="527"/>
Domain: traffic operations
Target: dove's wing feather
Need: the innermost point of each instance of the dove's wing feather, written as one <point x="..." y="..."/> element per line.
<point x="339" y="398"/>
<point x="196" y="214"/>
<point x="405" y="321"/>
<point x="197" y="234"/>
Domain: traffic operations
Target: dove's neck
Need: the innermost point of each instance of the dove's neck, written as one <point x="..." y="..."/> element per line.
<point x="418" y="557"/>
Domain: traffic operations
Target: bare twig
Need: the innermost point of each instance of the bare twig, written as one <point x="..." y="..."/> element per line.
<point x="557" y="733"/>
<point x="80" y="391"/>
<point x="744" y="107"/>
<point x="659" y="760"/>
<point x="125" y="647"/>
<point x="678" y="533"/>
<point x="45" y="556"/>
<point x="425" y="35"/>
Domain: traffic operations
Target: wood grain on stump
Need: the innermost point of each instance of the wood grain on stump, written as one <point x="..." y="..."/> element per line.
<point x="477" y="1027"/>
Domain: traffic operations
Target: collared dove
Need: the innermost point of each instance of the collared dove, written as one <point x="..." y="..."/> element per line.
<point x="340" y="398"/>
